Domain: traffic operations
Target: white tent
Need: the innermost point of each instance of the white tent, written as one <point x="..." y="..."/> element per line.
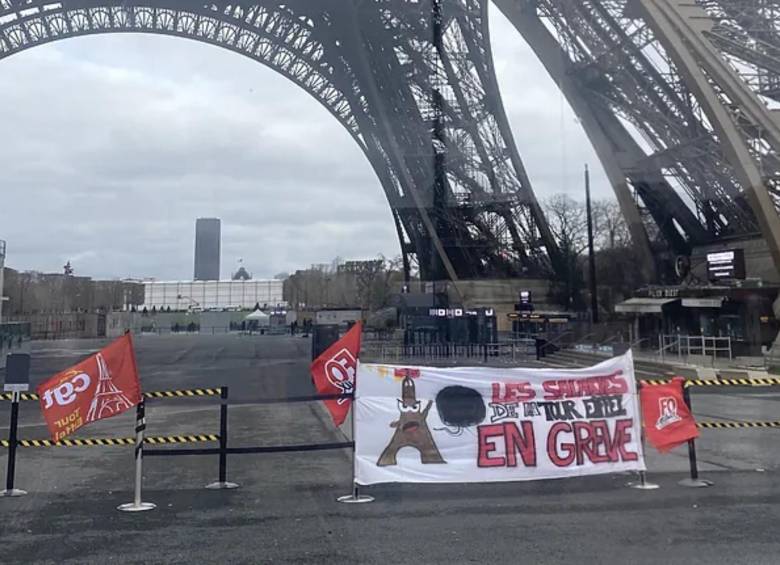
<point x="259" y="318"/>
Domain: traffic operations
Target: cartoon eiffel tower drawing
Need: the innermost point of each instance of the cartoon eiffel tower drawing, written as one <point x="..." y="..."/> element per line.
<point x="108" y="398"/>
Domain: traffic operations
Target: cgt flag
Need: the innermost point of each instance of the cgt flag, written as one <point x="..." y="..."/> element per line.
<point x="668" y="421"/>
<point x="334" y="372"/>
<point x="99" y="387"/>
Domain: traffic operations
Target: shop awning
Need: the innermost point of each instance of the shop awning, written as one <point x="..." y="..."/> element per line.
<point x="644" y="305"/>
<point x="709" y="302"/>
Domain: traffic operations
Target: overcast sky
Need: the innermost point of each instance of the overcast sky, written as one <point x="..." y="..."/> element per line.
<point x="114" y="144"/>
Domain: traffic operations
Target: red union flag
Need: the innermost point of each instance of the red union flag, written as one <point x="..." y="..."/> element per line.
<point x="334" y="372"/>
<point x="668" y="422"/>
<point x="99" y="387"/>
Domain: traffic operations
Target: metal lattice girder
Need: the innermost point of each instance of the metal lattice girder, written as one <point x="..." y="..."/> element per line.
<point x="646" y="122"/>
<point x="413" y="83"/>
<point x="736" y="113"/>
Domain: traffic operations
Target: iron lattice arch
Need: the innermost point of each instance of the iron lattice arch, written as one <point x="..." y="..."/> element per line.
<point x="677" y="98"/>
<point x="412" y="82"/>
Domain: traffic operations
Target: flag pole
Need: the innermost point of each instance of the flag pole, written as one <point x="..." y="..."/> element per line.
<point x="355" y="497"/>
<point x="694" y="481"/>
<point x="643" y="484"/>
<point x="140" y="426"/>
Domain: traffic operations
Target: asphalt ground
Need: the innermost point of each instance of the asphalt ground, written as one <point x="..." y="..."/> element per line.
<point x="285" y="510"/>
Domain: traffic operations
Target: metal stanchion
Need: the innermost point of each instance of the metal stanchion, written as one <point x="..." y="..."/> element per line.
<point x="12" y="444"/>
<point x="223" y="483"/>
<point x="140" y="427"/>
<point x="694" y="481"/>
<point x="355" y="497"/>
<point x="643" y="483"/>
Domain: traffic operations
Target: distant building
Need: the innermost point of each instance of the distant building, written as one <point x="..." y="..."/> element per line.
<point x="31" y="293"/>
<point x="242" y="275"/>
<point x="207" y="249"/>
<point x="211" y="295"/>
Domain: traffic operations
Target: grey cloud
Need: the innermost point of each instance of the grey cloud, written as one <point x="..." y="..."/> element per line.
<point x="120" y="142"/>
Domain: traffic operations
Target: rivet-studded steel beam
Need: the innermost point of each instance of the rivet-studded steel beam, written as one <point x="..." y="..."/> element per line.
<point x="676" y="127"/>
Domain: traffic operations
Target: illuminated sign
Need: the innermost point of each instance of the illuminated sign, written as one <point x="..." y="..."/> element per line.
<point x="459" y="312"/>
<point x="726" y="265"/>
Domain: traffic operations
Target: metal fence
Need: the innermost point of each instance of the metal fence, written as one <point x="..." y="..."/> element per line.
<point x="442" y="353"/>
<point x="699" y="345"/>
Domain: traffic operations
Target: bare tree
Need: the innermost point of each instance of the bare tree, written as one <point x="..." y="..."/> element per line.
<point x="568" y="222"/>
<point x="610" y="228"/>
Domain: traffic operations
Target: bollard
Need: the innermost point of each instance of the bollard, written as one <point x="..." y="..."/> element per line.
<point x="223" y="483"/>
<point x="10" y="491"/>
<point x="694" y="481"/>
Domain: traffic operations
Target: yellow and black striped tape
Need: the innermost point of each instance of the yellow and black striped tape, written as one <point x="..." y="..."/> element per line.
<point x="113" y="442"/>
<point x="158" y="394"/>
<point x="183" y="393"/>
<point x="24" y="396"/>
<point x="769" y="381"/>
<point x="735" y="425"/>
<point x="654" y="382"/>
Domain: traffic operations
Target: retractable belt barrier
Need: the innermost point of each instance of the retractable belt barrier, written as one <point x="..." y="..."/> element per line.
<point x="147" y="395"/>
<point x="694" y="480"/>
<point x="140" y="442"/>
<point x="768" y="381"/>
<point x="111" y="442"/>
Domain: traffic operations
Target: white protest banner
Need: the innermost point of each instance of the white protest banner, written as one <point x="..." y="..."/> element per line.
<point x="478" y="424"/>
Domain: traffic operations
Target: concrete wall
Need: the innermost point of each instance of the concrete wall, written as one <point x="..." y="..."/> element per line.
<point x="181" y="295"/>
<point x="118" y="323"/>
<point x="74" y="325"/>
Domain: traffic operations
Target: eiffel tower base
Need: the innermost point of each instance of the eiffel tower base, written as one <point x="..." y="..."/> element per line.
<point x="224" y="485"/>
<point x="14" y="492"/>
<point x="139" y="507"/>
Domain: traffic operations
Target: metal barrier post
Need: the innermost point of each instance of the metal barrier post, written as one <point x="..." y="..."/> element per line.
<point x="694" y="481"/>
<point x="12" y="444"/>
<point x="140" y="426"/>
<point x="355" y="497"/>
<point x="223" y="483"/>
<point x="730" y="356"/>
<point x="643" y="484"/>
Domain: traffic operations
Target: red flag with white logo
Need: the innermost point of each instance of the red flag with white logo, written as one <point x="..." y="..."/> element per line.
<point x="335" y="370"/>
<point x="99" y="387"/>
<point x="667" y="419"/>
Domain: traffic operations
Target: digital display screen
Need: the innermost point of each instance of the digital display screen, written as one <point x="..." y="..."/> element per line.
<point x="726" y="265"/>
<point x="459" y="312"/>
